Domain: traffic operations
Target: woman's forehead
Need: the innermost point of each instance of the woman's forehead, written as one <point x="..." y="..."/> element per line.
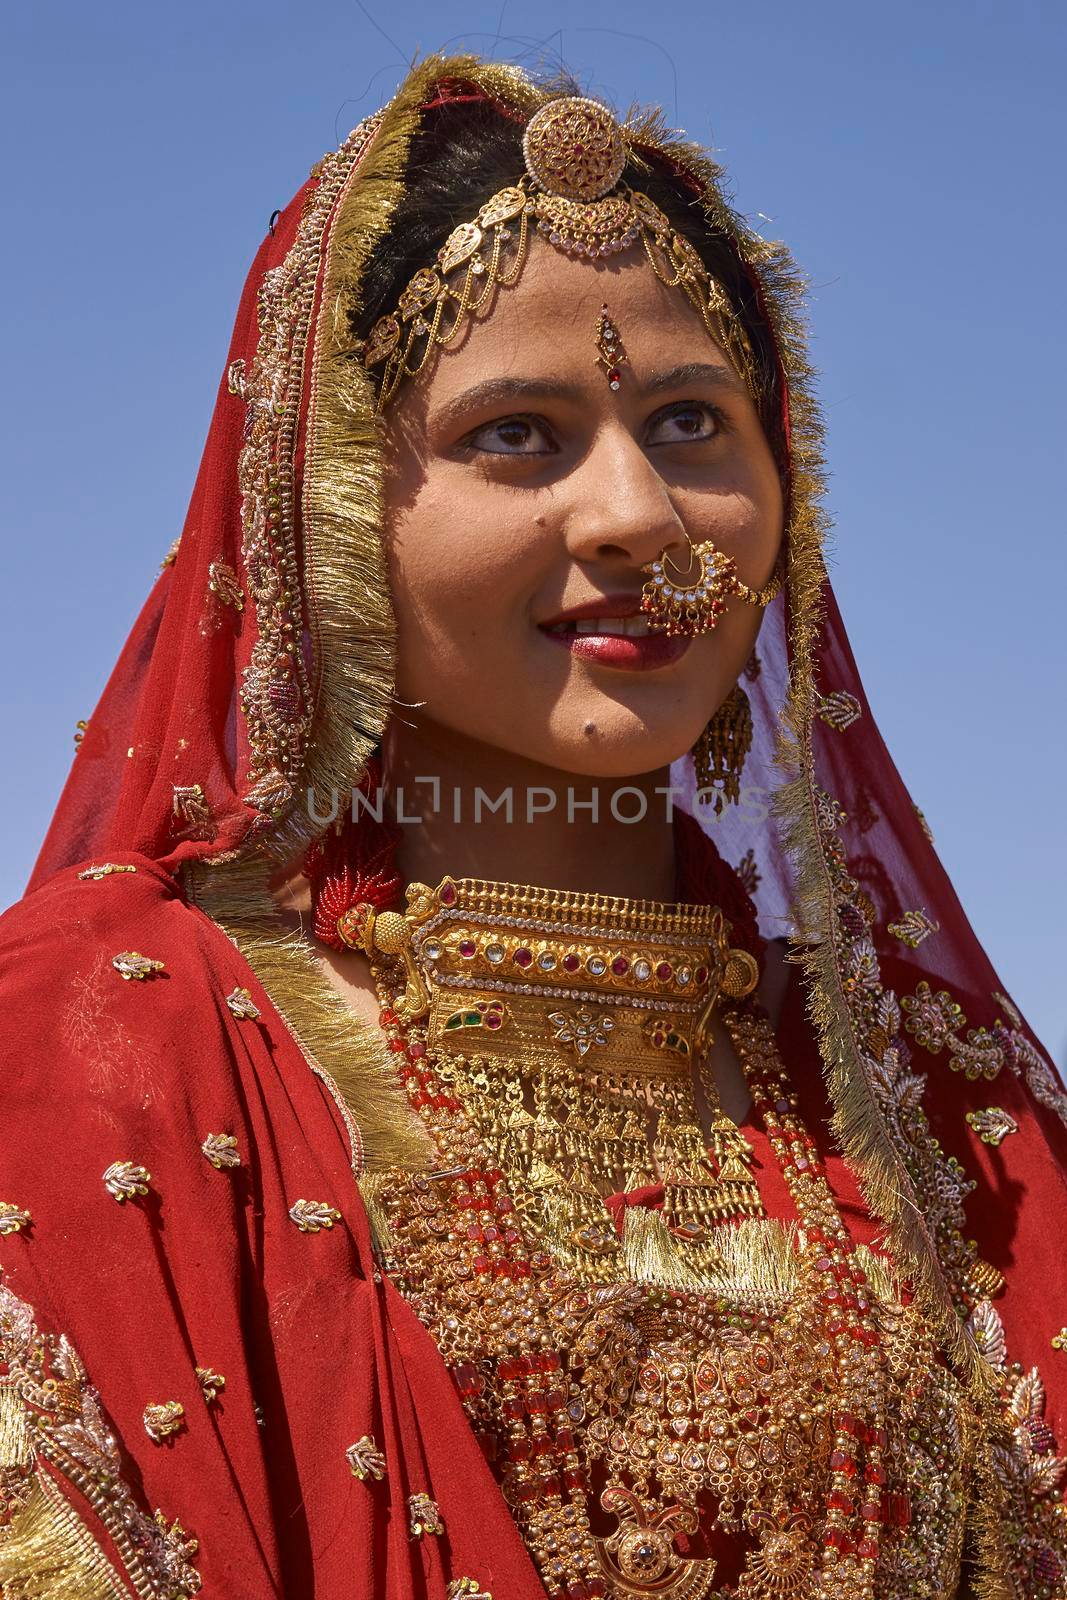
<point x="546" y="327"/>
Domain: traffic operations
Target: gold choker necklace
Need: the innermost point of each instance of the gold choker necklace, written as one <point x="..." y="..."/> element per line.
<point x="654" y="1364"/>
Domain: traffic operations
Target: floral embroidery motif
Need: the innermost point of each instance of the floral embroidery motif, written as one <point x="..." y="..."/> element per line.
<point x="132" y="964"/>
<point x="63" y="1424"/>
<point x="466" y="1589"/>
<point x="1059" y="1340"/>
<point x="1026" y="1466"/>
<point x="991" y="1124"/>
<point x="221" y="1150"/>
<point x="235" y="377"/>
<point x="311" y="1215"/>
<point x="171" y="555"/>
<point x="935" y="1021"/>
<point x="913" y="928"/>
<point x="365" y="1459"/>
<point x="223" y="582"/>
<point x="840" y="709"/>
<point x="210" y="1382"/>
<point x="748" y="872"/>
<point x="423" y="1516"/>
<point x="104" y="870"/>
<point x="163" y="1420"/>
<point x="242" y="1005"/>
<point x="191" y="812"/>
<point x="124" y="1180"/>
<point x="13" y="1218"/>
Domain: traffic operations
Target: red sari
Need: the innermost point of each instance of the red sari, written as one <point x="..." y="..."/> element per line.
<point x="191" y="1315"/>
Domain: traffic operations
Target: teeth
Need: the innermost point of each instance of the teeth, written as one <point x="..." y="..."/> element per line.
<point x="627" y="627"/>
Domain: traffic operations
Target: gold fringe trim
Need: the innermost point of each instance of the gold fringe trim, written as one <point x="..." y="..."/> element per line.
<point x="753" y="1260"/>
<point x="47" y="1553"/>
<point x="343" y="1051"/>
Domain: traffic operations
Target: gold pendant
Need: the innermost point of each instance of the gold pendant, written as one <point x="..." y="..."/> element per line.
<point x="640" y="1558"/>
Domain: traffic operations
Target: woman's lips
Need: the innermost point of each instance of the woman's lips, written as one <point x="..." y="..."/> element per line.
<point x="639" y="653"/>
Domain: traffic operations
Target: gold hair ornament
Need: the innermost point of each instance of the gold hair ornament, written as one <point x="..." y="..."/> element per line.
<point x="575" y="152"/>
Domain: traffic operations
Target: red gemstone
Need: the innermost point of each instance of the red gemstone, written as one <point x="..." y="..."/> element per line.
<point x="448" y="895"/>
<point x="565" y="1439"/>
<point x="570" y="962"/>
<point x="416" y="1049"/>
<point x="868" y="1549"/>
<point x="871" y="1511"/>
<point x="518" y="1450"/>
<point x="663" y="971"/>
<point x="466" y="947"/>
<point x="522" y="957"/>
<point x="619" y="966"/>
<point x="875" y="1473"/>
<point x="701" y="974"/>
<point x="388" y="1017"/>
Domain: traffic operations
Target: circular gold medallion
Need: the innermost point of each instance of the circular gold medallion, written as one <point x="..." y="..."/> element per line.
<point x="574" y="148"/>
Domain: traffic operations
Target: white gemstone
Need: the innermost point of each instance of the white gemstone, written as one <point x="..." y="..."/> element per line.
<point x="431" y="950"/>
<point x="546" y="961"/>
<point x="494" y="953"/>
<point x="642" y="970"/>
<point x="596" y="965"/>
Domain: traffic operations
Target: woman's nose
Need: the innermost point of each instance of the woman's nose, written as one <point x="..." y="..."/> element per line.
<point x="621" y="508"/>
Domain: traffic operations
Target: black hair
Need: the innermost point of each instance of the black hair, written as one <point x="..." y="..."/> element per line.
<point x="464" y="151"/>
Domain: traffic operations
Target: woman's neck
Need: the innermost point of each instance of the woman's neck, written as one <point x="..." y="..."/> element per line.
<point x="459" y="789"/>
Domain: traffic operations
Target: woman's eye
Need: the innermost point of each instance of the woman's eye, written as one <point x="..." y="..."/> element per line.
<point x="513" y="436"/>
<point x="682" y="424"/>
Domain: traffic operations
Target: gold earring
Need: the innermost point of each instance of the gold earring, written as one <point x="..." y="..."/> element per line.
<point x="694" y="602"/>
<point x="719" y="754"/>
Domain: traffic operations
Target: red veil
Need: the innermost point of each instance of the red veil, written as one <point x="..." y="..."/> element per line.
<point x="190" y="1313"/>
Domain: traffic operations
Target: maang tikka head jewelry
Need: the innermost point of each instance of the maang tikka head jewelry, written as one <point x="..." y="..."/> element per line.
<point x="571" y="194"/>
<point x="610" y="351"/>
<point x="693" y="601"/>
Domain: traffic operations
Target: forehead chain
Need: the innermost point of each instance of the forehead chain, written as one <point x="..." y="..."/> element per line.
<point x="571" y="193"/>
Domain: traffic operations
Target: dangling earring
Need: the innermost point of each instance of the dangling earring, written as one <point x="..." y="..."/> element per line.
<point x="719" y="754"/>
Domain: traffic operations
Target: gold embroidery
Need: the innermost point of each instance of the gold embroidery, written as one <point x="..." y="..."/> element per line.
<point x="124" y="1180"/>
<point x="163" y="1420"/>
<point x="221" y="1150"/>
<point x="223" y="582"/>
<point x="1059" y="1340"/>
<point x="211" y="1382"/>
<point x="50" y="1414"/>
<point x="913" y="928"/>
<point x="13" y="1218"/>
<point x="466" y="1589"/>
<point x="991" y="1124"/>
<point x="840" y="709"/>
<point x="365" y="1459"/>
<point x="423" y="1516"/>
<point x="104" y="870"/>
<point x="132" y="964"/>
<point x="242" y="1005"/>
<point x="190" y="810"/>
<point x="171" y="555"/>
<point x="311" y="1215"/>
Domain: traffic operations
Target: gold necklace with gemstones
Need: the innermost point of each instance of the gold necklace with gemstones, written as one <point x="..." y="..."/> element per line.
<point x="698" y="1373"/>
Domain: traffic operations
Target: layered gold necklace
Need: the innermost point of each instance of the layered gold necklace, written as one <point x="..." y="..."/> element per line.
<point x="695" y="1401"/>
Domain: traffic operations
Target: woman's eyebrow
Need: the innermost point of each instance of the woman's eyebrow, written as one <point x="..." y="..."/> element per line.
<point x="503" y="391"/>
<point x="695" y="374"/>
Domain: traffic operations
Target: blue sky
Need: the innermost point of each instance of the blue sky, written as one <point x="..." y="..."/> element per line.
<point x="910" y="154"/>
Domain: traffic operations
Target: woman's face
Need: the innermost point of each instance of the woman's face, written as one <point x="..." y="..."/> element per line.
<point x="521" y="487"/>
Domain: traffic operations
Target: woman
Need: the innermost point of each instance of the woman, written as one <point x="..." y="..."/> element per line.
<point x="551" y="1200"/>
